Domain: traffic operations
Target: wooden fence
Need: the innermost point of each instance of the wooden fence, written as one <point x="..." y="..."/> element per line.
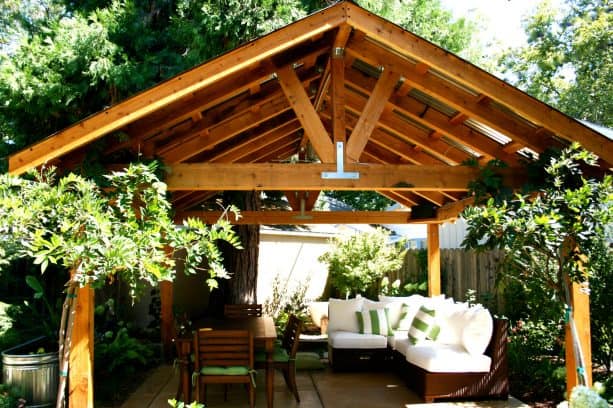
<point x="461" y="270"/>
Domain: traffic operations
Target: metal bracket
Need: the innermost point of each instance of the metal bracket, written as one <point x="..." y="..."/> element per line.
<point x="340" y="169"/>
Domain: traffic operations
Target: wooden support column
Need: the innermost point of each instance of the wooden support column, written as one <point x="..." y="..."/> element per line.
<point x="166" y="318"/>
<point x="434" y="261"/>
<point x="80" y="375"/>
<point x="580" y="304"/>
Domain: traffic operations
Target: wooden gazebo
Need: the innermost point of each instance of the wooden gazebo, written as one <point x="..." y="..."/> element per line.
<point x="340" y="100"/>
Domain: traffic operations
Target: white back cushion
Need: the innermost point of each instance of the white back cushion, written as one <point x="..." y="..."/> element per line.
<point x="396" y="311"/>
<point x="478" y="330"/>
<point x="341" y="314"/>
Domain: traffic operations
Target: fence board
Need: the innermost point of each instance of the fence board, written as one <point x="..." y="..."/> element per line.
<point x="461" y="270"/>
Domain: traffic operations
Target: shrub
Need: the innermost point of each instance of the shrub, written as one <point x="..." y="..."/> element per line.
<point x="357" y="263"/>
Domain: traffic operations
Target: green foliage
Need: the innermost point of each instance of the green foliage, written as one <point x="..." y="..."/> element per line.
<point x="10" y="397"/>
<point x="535" y="357"/>
<point x="361" y="200"/>
<point x="549" y="234"/>
<point x="69" y="222"/>
<point x="568" y="62"/>
<point x="601" y="304"/>
<point x="180" y="404"/>
<point x="585" y="397"/>
<point x="396" y="288"/>
<point x="286" y="301"/>
<point x="426" y="18"/>
<point x="358" y="262"/>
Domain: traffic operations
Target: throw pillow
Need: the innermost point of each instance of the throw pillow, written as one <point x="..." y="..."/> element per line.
<point x="407" y="314"/>
<point x="342" y="314"/>
<point x="374" y="321"/>
<point x="477" y="331"/>
<point x="423" y="326"/>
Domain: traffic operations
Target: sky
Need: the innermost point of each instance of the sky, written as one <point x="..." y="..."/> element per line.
<point x="503" y="18"/>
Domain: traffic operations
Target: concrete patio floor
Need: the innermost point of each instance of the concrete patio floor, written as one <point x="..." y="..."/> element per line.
<point x="317" y="388"/>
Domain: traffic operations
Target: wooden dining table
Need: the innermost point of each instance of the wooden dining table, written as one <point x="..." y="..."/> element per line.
<point x="264" y="334"/>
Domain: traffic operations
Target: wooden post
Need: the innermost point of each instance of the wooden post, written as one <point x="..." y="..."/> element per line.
<point x="166" y="318"/>
<point x="80" y="374"/>
<point x="434" y="261"/>
<point x="580" y="304"/>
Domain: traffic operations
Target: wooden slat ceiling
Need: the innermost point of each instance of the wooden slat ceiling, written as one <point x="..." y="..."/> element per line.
<point x="408" y="114"/>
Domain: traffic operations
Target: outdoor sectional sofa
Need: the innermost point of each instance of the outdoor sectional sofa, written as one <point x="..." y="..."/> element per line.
<point x="467" y="359"/>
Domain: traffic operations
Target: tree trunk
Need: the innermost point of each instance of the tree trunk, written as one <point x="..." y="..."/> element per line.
<point x="243" y="263"/>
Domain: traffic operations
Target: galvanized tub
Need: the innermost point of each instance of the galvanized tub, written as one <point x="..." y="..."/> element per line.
<point x="36" y="375"/>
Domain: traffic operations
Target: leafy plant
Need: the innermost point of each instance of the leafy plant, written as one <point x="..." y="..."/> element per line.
<point x="585" y="397"/>
<point x="180" y="404"/>
<point x="286" y="301"/>
<point x="10" y="397"/>
<point x="124" y="231"/>
<point x="549" y="235"/>
<point x="358" y="262"/>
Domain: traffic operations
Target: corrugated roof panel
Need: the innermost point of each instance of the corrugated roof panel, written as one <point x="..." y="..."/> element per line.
<point x="432" y="102"/>
<point x="488" y="131"/>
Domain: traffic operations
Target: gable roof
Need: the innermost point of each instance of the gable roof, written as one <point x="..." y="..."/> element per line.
<point x="407" y="113"/>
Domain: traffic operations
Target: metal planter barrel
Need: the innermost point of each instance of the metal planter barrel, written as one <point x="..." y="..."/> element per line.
<point x="36" y="375"/>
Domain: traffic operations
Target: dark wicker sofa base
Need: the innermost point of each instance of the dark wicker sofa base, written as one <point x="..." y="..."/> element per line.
<point x="437" y="386"/>
<point x="377" y="359"/>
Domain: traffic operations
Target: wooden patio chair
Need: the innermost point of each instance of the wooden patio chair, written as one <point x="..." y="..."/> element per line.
<point x="223" y="357"/>
<point x="284" y="354"/>
<point x="242" y="310"/>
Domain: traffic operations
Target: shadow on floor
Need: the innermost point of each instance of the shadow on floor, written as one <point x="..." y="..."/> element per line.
<point x="317" y="388"/>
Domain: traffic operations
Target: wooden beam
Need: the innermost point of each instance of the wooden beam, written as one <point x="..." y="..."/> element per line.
<point x="81" y="372"/>
<point x="306" y="114"/>
<point x="371" y="113"/>
<point x="397" y="197"/>
<point x="203" y="138"/>
<point x="338" y="98"/>
<point x="166" y="318"/>
<point x="393" y="144"/>
<point x="296" y="217"/>
<point x="439" y="122"/>
<point x="434" y="261"/>
<point x="451" y="211"/>
<point x="401" y="128"/>
<point x="176" y="88"/>
<point x="483" y="82"/>
<point x="257" y="142"/>
<point x="454" y="96"/>
<point x="268" y="176"/>
<point x="580" y="304"/>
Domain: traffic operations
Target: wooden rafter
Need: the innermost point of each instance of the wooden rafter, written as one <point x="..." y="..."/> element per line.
<point x="176" y="88"/>
<point x="306" y="114"/>
<point x="255" y="143"/>
<point x="439" y="122"/>
<point x="398" y="126"/>
<point x="484" y="83"/>
<point x="454" y="96"/>
<point x="371" y="113"/>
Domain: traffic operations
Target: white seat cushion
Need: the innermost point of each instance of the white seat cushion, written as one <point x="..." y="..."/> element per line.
<point x="402" y="345"/>
<point x="398" y="335"/>
<point x="351" y="340"/>
<point x="446" y="358"/>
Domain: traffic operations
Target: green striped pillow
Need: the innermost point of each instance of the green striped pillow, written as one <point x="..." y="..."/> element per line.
<point x="424" y="326"/>
<point x="374" y="321"/>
